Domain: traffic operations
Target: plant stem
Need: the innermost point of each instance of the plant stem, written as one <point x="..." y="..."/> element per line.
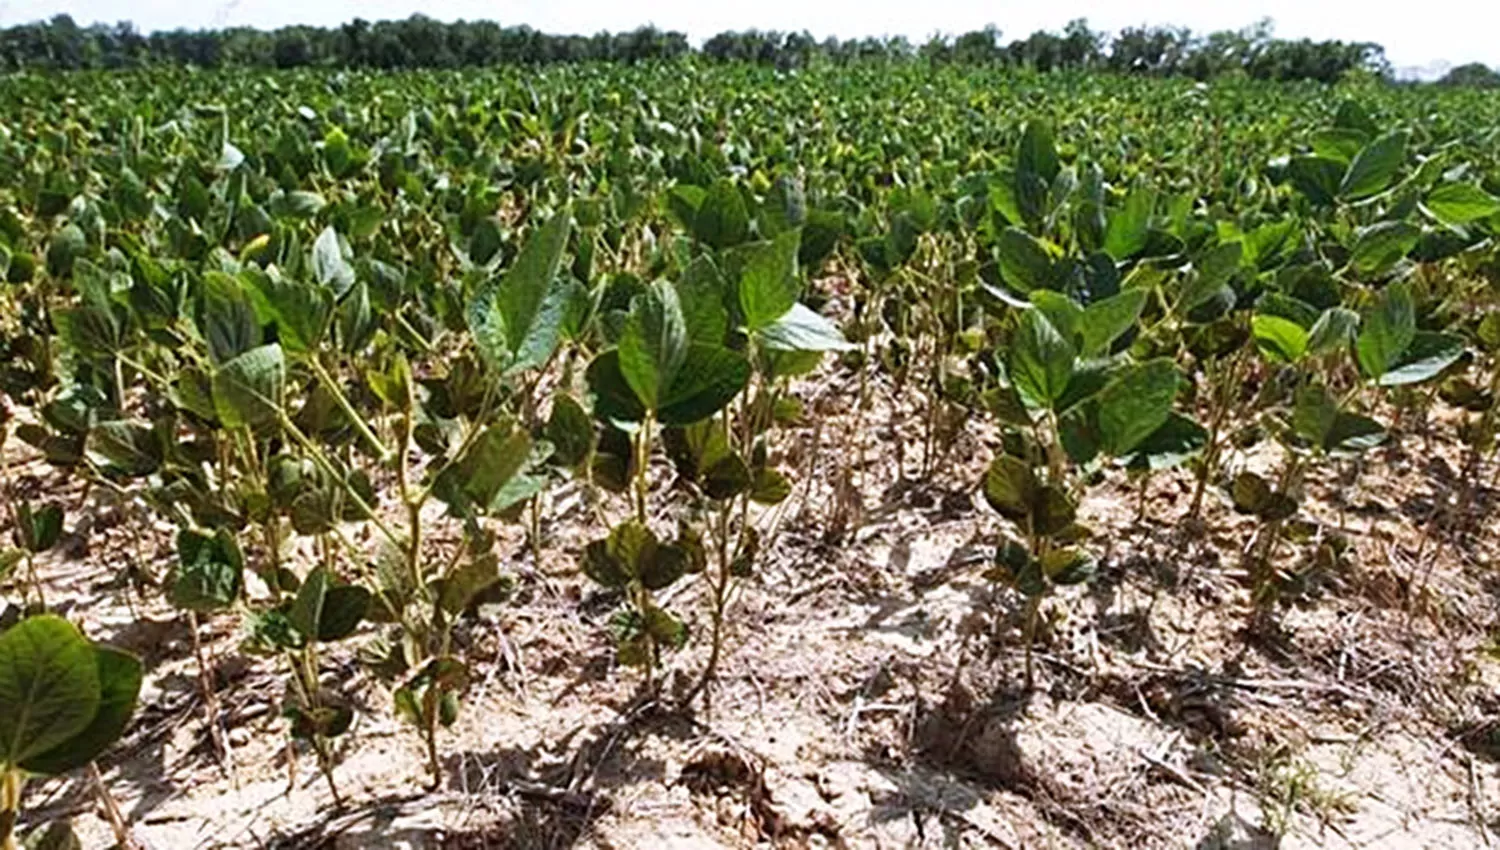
<point x="1028" y="636"/>
<point x="355" y="419"/>
<point x="11" y="783"/>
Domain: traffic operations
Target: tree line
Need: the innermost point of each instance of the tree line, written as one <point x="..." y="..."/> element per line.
<point x="423" y="42"/>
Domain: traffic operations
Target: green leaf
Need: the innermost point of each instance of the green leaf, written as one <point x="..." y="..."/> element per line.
<point x="126" y="446"/>
<point x="701" y="294"/>
<point x="1387" y="327"/>
<point x="1380" y="247"/>
<point x="226" y="317"/>
<point x="307" y="608"/>
<point x="1025" y="263"/>
<point x="1041" y="360"/>
<point x="39" y="530"/>
<point x="722" y="220"/>
<point x="614" y="400"/>
<point x="1178" y="439"/>
<point x="1068" y="566"/>
<point x="801" y="329"/>
<point x="1424" y="359"/>
<point x="1461" y="203"/>
<point x="1136" y="404"/>
<point x="463" y="585"/>
<point x="1314" y="412"/>
<point x="726" y="477"/>
<point x="1339" y="143"/>
<point x="517" y="319"/>
<point x="1009" y="487"/>
<point x="713" y="378"/>
<point x="768" y="285"/>
<point x="654" y="342"/>
<point x="1334" y="330"/>
<point x="569" y="430"/>
<point x="480" y="476"/>
<point x="1037" y="155"/>
<point x="1104" y="321"/>
<point x="1282" y="340"/>
<point x="49" y="687"/>
<point x="1251" y="493"/>
<point x="770" y="487"/>
<point x="1211" y="273"/>
<point x="344" y="606"/>
<point x="210" y="571"/>
<point x="247" y="390"/>
<point x="1126" y="233"/>
<point x="1352" y="434"/>
<point x="1374" y="167"/>
<point x="328" y="263"/>
<point x="1316" y="177"/>
<point x="120" y="675"/>
<point x="66" y="247"/>
<point x="1063" y="312"/>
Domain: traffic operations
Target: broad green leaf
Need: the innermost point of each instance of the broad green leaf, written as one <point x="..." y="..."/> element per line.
<point x="701" y="294"/>
<point x="126" y="446"/>
<point x="711" y="378"/>
<point x="38" y="529"/>
<point x="1372" y="170"/>
<point x="210" y="570"/>
<point x="801" y="329"/>
<point x="1282" y="340"/>
<point x="1461" y="203"/>
<point x="1339" y="143"/>
<point x="248" y="389"/>
<point x="1126" y="234"/>
<point x="1063" y="312"/>
<point x="1178" y="439"/>
<point x="1106" y="320"/>
<point x="1352" y="434"/>
<point x="1135" y="404"/>
<point x="1041" y="360"/>
<point x="1068" y="566"/>
<point x="768" y="285"/>
<point x="1386" y="329"/>
<point x="482" y="473"/>
<point x="66" y="247"/>
<point x="328" y="263"/>
<point x="569" y="430"/>
<point x="614" y="400"/>
<point x="517" y="318"/>
<point x="1424" y="359"/>
<point x="1009" y="487"/>
<point x="49" y="687"/>
<point x="1333" y="331"/>
<point x="344" y="606"/>
<point x="120" y="675"/>
<point x="722" y="220"/>
<point x="307" y="607"/>
<point x="1211" y="274"/>
<point x="1024" y="262"/>
<point x="1314" y="412"/>
<point x="654" y="342"/>
<point x="226" y="317"/>
<point x="1317" y="177"/>
<point x="1037" y="154"/>
<point x="1381" y="246"/>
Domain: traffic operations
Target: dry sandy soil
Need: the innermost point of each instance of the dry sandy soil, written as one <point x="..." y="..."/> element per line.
<point x="873" y="694"/>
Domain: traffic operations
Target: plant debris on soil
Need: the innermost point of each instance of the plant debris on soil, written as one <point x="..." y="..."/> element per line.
<point x="871" y="694"/>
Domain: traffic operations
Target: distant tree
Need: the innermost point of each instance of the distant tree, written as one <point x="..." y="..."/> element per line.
<point x="1474" y="75"/>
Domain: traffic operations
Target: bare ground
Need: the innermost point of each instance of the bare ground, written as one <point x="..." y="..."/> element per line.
<point x="873" y="693"/>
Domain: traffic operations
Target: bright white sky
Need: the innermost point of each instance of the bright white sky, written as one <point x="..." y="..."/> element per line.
<point x="1414" y="34"/>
